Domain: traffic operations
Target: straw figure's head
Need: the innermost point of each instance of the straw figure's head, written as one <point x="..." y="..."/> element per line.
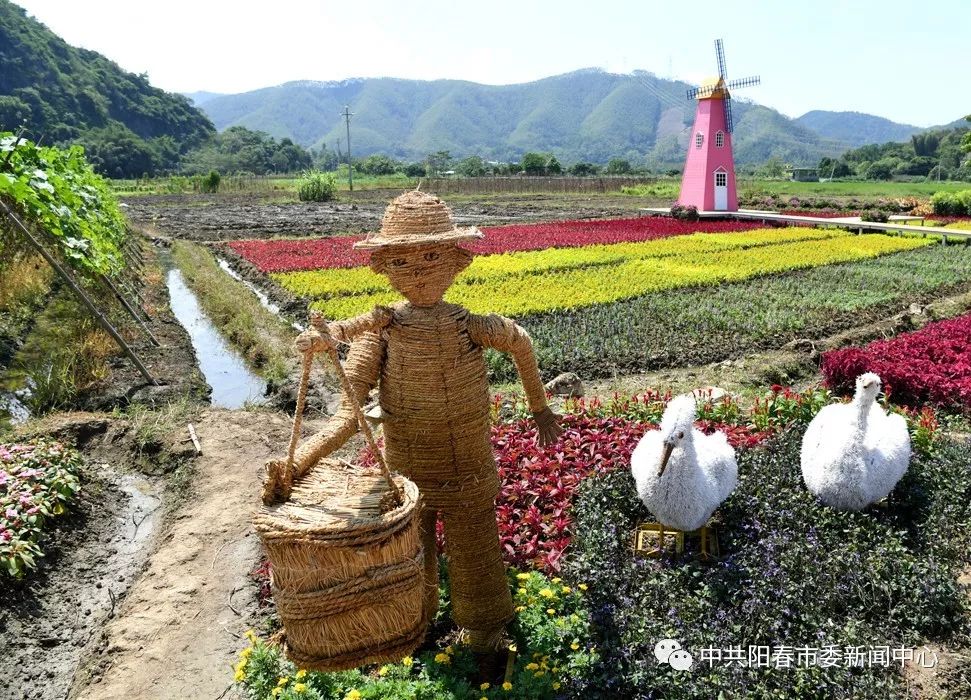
<point x="416" y="247"/>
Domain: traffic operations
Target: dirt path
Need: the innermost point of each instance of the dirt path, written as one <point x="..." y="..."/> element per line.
<point x="176" y="633"/>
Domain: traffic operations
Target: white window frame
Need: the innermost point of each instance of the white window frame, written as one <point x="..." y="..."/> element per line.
<point x="721" y="173"/>
<point x="699" y="140"/>
<point x="719" y="139"/>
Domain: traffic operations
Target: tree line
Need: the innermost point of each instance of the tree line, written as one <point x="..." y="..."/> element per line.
<point x="932" y="155"/>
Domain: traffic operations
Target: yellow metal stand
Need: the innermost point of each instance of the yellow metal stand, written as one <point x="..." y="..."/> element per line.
<point x="652" y="539"/>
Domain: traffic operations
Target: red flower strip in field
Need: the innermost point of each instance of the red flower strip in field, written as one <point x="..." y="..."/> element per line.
<point x="929" y="365"/>
<point x="337" y="251"/>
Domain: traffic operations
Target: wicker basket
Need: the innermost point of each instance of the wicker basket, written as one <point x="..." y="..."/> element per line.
<point x="347" y="561"/>
<point x="346" y="577"/>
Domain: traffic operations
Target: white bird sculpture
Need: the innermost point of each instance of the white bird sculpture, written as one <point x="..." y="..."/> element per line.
<point x="853" y="454"/>
<point x="683" y="475"/>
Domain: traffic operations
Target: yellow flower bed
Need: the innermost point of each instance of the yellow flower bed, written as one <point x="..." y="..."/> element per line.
<point x="574" y="288"/>
<point x="327" y="283"/>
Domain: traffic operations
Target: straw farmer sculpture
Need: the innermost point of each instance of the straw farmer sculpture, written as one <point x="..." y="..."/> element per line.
<point x="426" y="357"/>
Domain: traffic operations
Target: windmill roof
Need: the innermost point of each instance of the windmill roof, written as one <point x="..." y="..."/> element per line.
<point x="716" y="86"/>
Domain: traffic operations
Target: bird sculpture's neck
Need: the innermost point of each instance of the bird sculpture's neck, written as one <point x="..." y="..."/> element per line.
<point x="683" y="457"/>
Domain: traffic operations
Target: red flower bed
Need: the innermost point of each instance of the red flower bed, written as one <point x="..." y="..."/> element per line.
<point x="929" y="365"/>
<point x="336" y="252"/>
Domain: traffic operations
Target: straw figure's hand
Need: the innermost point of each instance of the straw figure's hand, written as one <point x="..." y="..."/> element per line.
<point x="275" y="488"/>
<point x="548" y="427"/>
<point x="315" y="341"/>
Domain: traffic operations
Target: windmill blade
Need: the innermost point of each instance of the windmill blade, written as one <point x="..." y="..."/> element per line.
<point x="743" y="82"/>
<point x="720" y="55"/>
<point x="729" y="121"/>
<point x="694" y="92"/>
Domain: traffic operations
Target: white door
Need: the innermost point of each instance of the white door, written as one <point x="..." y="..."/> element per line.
<point x="721" y="190"/>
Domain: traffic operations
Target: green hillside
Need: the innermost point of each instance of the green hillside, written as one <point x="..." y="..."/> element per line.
<point x="855" y="128"/>
<point x="65" y="94"/>
<point x="587" y="115"/>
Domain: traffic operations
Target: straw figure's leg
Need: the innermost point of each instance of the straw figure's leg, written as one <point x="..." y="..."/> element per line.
<point x="429" y="544"/>
<point x="481" y="599"/>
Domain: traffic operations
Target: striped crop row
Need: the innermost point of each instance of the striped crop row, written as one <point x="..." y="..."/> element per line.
<point x="630" y="277"/>
<point x="338" y="251"/>
<point x="492" y="269"/>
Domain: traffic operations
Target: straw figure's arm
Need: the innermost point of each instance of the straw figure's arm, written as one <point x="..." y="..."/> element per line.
<point x="363" y="368"/>
<point x="501" y="333"/>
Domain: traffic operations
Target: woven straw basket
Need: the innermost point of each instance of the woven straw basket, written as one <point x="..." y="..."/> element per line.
<point x="347" y="561"/>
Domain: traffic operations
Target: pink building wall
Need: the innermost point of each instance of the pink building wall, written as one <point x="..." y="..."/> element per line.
<point x="698" y="181"/>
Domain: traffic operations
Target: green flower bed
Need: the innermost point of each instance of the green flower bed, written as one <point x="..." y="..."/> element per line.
<point x="37" y="482"/>
<point x="554" y="657"/>
<point x="794" y="573"/>
<point x="693" y="326"/>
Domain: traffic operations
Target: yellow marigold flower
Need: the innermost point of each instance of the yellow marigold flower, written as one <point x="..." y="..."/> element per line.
<point x="574" y="646"/>
<point x="301" y="674"/>
<point x="582" y="586"/>
<point x="547" y="593"/>
<point x="507" y="686"/>
<point x="520" y="608"/>
<point x="442" y="659"/>
<point x="239" y="675"/>
<point x="522" y="577"/>
<point x="245" y="653"/>
<point x="250" y="635"/>
<point x="383" y="671"/>
<point x="532" y="666"/>
<point x="484" y="686"/>
<point x="551" y="611"/>
<point x="449" y="649"/>
<point x="300" y="687"/>
<point x="539" y="674"/>
<point x="276" y="691"/>
<point x="407" y="661"/>
<point x="282" y="680"/>
<point x="353" y="694"/>
<point x="556" y="580"/>
<point x="566" y="589"/>
<point x="556" y="685"/>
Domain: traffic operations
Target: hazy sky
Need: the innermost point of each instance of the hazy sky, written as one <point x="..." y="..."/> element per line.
<point x="906" y="60"/>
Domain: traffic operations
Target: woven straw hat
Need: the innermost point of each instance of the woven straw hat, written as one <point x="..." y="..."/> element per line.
<point x="417" y="218"/>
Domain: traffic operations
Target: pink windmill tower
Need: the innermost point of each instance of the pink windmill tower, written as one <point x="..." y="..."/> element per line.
<point x="709" y="171"/>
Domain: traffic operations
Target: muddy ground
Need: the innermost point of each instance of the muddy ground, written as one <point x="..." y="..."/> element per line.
<point x="235" y="216"/>
<point x="50" y="621"/>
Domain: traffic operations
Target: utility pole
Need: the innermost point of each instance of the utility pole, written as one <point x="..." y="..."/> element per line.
<point x="350" y="169"/>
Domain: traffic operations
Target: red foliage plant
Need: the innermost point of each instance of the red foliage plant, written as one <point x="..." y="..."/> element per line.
<point x="932" y="365"/>
<point x="337" y="251"/>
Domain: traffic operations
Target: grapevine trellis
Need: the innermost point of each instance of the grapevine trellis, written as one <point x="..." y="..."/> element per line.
<point x="66" y="214"/>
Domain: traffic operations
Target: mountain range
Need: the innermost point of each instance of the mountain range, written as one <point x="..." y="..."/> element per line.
<point x="585" y="115"/>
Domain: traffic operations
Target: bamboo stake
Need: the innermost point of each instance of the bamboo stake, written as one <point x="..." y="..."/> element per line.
<point x="131" y="311"/>
<point x="98" y="316"/>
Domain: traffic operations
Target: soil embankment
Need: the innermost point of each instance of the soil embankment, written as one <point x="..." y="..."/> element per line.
<point x="181" y="624"/>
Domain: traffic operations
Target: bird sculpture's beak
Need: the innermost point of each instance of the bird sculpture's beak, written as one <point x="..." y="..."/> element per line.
<point x="665" y="456"/>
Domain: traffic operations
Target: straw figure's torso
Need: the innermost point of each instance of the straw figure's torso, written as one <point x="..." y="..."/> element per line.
<point x="434" y="395"/>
